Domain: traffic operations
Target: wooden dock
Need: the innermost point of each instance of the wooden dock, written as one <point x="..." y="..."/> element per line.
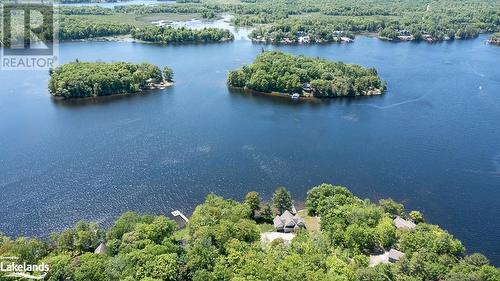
<point x="178" y="213"/>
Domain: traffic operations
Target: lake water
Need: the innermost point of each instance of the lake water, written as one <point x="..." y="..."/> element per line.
<point x="432" y="141"/>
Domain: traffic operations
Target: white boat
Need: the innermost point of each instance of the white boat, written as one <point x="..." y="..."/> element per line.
<point x="295" y="96"/>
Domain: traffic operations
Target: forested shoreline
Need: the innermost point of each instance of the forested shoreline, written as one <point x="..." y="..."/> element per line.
<point x="93" y="79"/>
<point x="279" y="22"/>
<point x="222" y="241"/>
<point x="288" y="74"/>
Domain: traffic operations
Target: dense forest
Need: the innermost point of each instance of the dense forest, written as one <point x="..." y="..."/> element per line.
<point x="170" y="34"/>
<point x="285" y="73"/>
<point x="394" y="20"/>
<point x="222" y="242"/>
<point x="285" y="21"/>
<point x="81" y="28"/>
<point x="92" y="79"/>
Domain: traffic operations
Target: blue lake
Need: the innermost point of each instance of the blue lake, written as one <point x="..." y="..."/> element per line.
<point x="432" y="141"/>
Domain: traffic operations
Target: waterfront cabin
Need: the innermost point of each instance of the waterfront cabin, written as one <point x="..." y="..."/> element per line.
<point x="404" y="32"/>
<point x="403" y="224"/>
<point x="427" y="37"/>
<point x="395" y="255"/>
<point x="390" y="256"/>
<point x="346" y="39"/>
<point x="101" y="249"/>
<point x="288" y="223"/>
<point x="306" y="87"/>
<point x="304" y="39"/>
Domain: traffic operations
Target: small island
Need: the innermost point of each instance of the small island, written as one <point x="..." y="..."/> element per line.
<point x="295" y="76"/>
<point x="92" y="79"/>
<point x="495" y="39"/>
<point x="168" y="34"/>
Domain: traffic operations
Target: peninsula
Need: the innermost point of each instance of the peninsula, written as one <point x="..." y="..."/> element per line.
<point x="92" y="79"/>
<point x="278" y="72"/>
<point x="339" y="236"/>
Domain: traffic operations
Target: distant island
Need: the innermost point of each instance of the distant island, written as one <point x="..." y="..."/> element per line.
<point x="339" y="236"/>
<point x="308" y="77"/>
<point x="92" y="79"/>
<point x="168" y="34"/>
<point x="495" y="39"/>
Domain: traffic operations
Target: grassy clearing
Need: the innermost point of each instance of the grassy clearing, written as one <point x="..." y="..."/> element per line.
<point x="114" y="18"/>
<point x="266" y="227"/>
<point x="312" y="223"/>
<point x="168" y="17"/>
<point x="181" y="234"/>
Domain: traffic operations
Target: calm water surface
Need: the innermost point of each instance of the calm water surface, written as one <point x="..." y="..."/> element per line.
<point x="432" y="141"/>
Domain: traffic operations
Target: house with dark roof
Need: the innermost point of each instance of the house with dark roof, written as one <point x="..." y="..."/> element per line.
<point x="288" y="222"/>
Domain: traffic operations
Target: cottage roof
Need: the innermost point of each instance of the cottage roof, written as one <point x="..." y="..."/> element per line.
<point x="403" y="224"/>
<point x="288" y="220"/>
<point x="277" y="222"/>
<point x="395" y="254"/>
<point x="101" y="249"/>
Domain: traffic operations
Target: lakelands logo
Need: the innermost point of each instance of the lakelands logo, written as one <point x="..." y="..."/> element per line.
<point x="11" y="268"/>
<point x="28" y="36"/>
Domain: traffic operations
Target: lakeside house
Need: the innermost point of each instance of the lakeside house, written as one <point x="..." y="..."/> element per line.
<point x="346" y="39"/>
<point x="395" y="255"/>
<point x="101" y="249"/>
<point x="427" y="37"/>
<point x="304" y="39"/>
<point x="288" y="222"/>
<point x="405" y="35"/>
<point x="390" y="256"/>
<point x="306" y="87"/>
<point x="403" y="224"/>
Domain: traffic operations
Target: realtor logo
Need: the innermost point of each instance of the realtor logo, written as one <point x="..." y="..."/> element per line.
<point x="10" y="268"/>
<point x="28" y="36"/>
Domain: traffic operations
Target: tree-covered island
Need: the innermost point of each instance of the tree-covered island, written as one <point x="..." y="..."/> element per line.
<point x="168" y="34"/>
<point x="287" y="74"/>
<point x="339" y="237"/>
<point x="92" y="79"/>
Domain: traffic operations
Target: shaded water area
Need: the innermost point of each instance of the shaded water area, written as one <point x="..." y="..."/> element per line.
<point x="432" y="141"/>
